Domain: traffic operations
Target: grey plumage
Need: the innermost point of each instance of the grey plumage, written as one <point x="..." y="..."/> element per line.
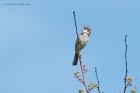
<point x="81" y="43"/>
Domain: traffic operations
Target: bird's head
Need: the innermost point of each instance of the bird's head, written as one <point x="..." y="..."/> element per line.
<point x="87" y="30"/>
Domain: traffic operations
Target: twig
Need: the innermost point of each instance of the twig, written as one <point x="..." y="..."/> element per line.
<point x="75" y="25"/>
<point x="97" y="80"/>
<point x="126" y="70"/>
<point x="84" y="81"/>
<point x="81" y="65"/>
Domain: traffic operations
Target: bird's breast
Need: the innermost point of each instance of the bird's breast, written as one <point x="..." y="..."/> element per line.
<point x="83" y="40"/>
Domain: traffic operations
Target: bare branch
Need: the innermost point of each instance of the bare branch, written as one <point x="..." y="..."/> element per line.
<point x="97" y="80"/>
<point x="126" y="69"/>
<point x="75" y="25"/>
<point x="83" y="75"/>
<point x="79" y="56"/>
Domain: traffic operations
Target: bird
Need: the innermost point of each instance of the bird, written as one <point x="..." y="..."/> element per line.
<point x="81" y="42"/>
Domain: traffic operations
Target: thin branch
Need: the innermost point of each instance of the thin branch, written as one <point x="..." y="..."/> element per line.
<point x="81" y="65"/>
<point x="126" y="69"/>
<point x="75" y="24"/>
<point x="84" y="81"/>
<point x="97" y="80"/>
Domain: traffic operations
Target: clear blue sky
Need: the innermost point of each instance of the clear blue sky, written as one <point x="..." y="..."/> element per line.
<point x="37" y="44"/>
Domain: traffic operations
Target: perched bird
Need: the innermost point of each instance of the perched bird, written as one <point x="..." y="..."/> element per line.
<point x="81" y="43"/>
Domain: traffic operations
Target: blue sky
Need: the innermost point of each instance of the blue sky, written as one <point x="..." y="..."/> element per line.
<point x="37" y="44"/>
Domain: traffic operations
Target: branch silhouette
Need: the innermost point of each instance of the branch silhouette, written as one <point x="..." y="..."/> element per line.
<point x="83" y="80"/>
<point x="75" y="24"/>
<point x="126" y="67"/>
<point x="98" y="86"/>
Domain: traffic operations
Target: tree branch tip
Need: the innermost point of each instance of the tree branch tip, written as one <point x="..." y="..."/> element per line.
<point x="95" y="68"/>
<point x="74" y="12"/>
<point x="125" y="35"/>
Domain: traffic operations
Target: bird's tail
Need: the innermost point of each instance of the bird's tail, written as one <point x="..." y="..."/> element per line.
<point x="75" y="60"/>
